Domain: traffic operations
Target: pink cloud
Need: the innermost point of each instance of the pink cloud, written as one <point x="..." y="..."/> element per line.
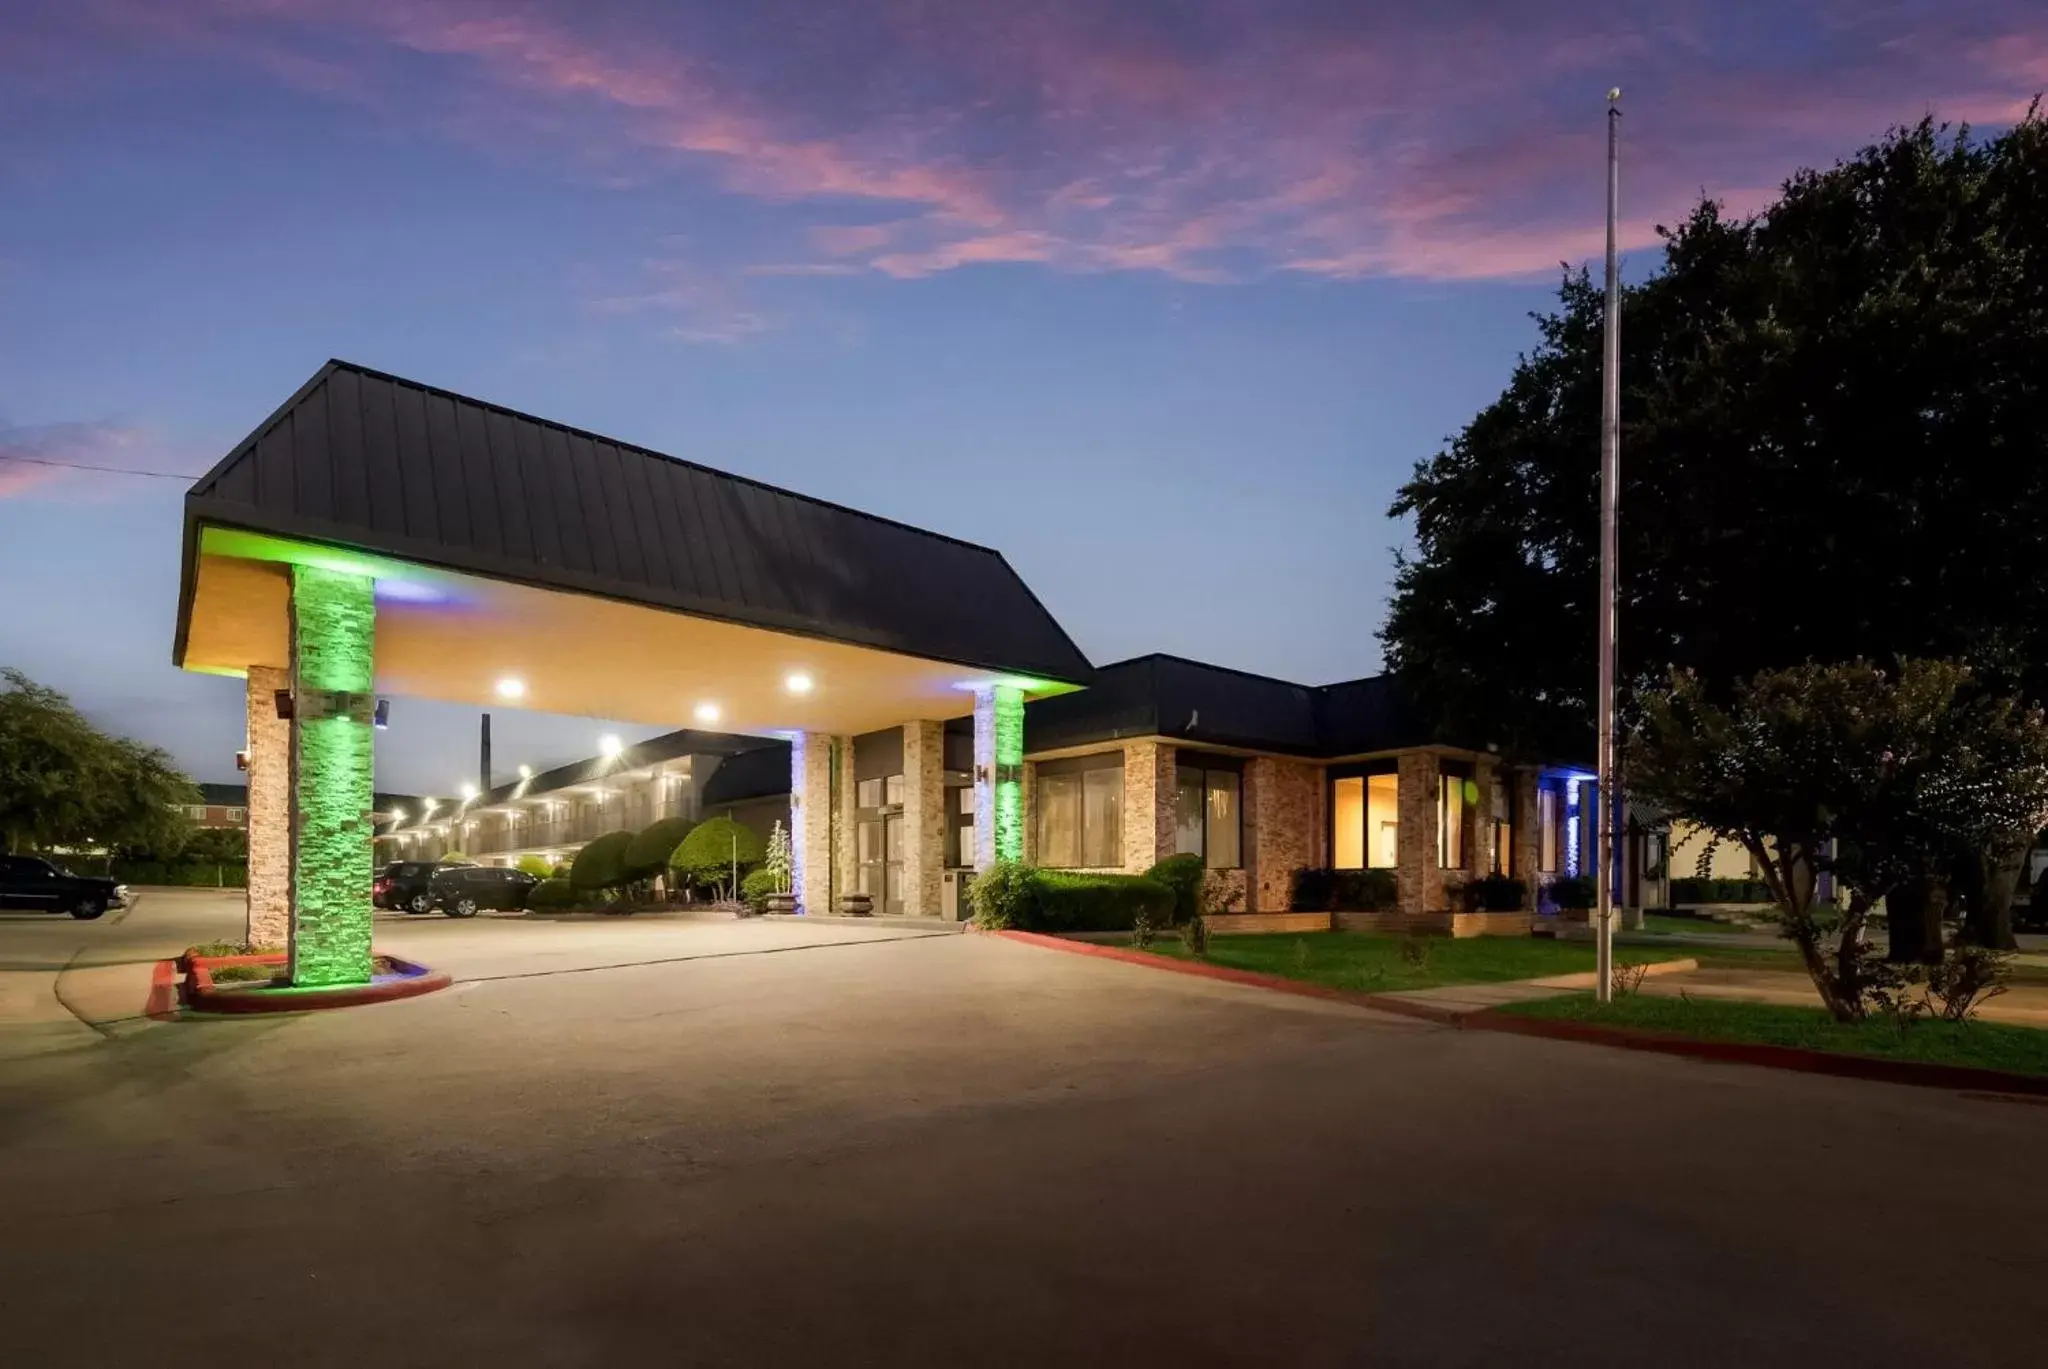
<point x="49" y="459"/>
<point x="1212" y="140"/>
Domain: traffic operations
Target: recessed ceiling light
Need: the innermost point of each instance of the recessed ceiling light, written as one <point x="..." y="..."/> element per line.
<point x="511" y="687"/>
<point x="708" y="713"/>
<point x="796" y="682"/>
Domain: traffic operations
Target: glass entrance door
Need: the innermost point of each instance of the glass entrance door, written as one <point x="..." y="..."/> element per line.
<point x="879" y="842"/>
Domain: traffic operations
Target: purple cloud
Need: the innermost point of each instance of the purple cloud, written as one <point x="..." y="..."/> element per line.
<point x="45" y="459"/>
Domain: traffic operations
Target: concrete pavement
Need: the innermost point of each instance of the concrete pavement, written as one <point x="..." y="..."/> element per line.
<point x="959" y="1150"/>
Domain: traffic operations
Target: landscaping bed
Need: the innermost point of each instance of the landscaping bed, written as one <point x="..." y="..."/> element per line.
<point x="256" y="982"/>
<point x="1970" y="1045"/>
<point x="1363" y="962"/>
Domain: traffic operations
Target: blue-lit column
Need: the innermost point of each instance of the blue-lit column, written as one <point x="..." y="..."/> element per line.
<point x="998" y="774"/>
<point x="812" y="777"/>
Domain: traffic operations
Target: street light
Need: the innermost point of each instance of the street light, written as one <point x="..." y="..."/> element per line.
<point x="1610" y="522"/>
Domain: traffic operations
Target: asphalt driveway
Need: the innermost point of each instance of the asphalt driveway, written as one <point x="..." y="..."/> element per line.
<point x="949" y="1150"/>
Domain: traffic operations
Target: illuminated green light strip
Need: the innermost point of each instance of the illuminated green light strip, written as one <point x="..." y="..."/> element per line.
<point x="1009" y="783"/>
<point x="334" y="623"/>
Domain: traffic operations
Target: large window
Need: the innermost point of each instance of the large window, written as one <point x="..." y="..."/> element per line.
<point x="1365" y="813"/>
<point x="1080" y="812"/>
<point x="1549" y="828"/>
<point x="1453" y="817"/>
<point x="1209" y="813"/>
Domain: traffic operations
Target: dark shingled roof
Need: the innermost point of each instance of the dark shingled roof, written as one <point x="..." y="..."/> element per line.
<point x="371" y="461"/>
<point x="1171" y="696"/>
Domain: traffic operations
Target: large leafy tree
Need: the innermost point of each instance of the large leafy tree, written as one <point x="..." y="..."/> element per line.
<point x="63" y="782"/>
<point x="1835" y="445"/>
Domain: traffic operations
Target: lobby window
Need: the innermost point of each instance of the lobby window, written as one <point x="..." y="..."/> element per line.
<point x="1080" y="812"/>
<point x="1209" y="814"/>
<point x="1455" y="795"/>
<point x="1365" y="813"/>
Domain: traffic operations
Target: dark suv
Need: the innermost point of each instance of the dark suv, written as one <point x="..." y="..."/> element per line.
<point x="31" y="882"/>
<point x="404" y="884"/>
<point x="461" y="891"/>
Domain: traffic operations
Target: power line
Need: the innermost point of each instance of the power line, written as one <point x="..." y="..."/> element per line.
<point x="103" y="470"/>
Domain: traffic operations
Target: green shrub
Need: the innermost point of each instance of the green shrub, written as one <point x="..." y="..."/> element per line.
<point x="1344" y="891"/>
<point x="707" y="854"/>
<point x="1685" y="891"/>
<point x="1574" y="893"/>
<point x="1000" y="895"/>
<point x="601" y="864"/>
<point x="1184" y="875"/>
<point x="553" y="893"/>
<point x="1496" y="894"/>
<point x="1009" y="894"/>
<point x="540" y="867"/>
<point x="756" y="887"/>
<point x="647" y="855"/>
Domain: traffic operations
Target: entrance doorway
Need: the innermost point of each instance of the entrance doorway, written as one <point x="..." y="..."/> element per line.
<point x="878" y="837"/>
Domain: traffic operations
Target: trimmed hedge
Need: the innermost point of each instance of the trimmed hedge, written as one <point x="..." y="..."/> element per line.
<point x="1496" y="894"/>
<point x="706" y="854"/>
<point x="601" y="864"/>
<point x="1031" y="900"/>
<point x="1342" y="891"/>
<point x="1573" y="892"/>
<point x="647" y="855"/>
<point x="179" y="874"/>
<point x="1720" y="891"/>
<point x="553" y="893"/>
<point x="1185" y="875"/>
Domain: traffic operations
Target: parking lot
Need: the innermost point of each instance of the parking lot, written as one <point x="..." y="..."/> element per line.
<point x="748" y="1143"/>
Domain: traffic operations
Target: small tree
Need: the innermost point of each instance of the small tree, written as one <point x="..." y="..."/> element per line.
<point x="600" y="865"/>
<point x="1838" y="768"/>
<point x="712" y="853"/>
<point x="779" y="862"/>
<point x="63" y="782"/>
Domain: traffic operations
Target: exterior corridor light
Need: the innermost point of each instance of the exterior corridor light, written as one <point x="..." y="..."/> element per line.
<point x="609" y="746"/>
<point x="708" y="713"/>
<point x="796" y="682"/>
<point x="511" y="688"/>
<point x="468" y="792"/>
<point x="525" y="772"/>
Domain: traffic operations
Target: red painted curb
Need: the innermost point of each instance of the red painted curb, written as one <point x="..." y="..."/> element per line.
<point x="162" y="1003"/>
<point x="200" y="995"/>
<point x="1914" y="1072"/>
<point x="1920" y="1073"/>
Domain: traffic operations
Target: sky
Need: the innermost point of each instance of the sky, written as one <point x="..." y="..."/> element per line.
<point x="1164" y="299"/>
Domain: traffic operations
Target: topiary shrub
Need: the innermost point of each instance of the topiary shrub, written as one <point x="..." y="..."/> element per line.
<point x="1496" y="894"/>
<point x="553" y="893"/>
<point x="540" y="867"/>
<point x="1001" y="895"/>
<point x="756" y="887"/>
<point x="1012" y="895"/>
<point x="1184" y="875"/>
<point x="648" y="853"/>
<point x="707" y="855"/>
<point x="601" y="864"/>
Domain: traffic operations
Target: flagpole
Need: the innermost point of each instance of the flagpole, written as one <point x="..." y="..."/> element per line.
<point x="1610" y="518"/>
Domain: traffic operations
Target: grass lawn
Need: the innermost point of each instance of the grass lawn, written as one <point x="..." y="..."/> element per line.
<point x="1653" y="922"/>
<point x="1985" y="1045"/>
<point x="1371" y="963"/>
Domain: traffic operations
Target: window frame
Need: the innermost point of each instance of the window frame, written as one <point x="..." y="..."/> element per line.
<point x="1205" y="764"/>
<point x="1077" y="767"/>
<point x="1366" y="771"/>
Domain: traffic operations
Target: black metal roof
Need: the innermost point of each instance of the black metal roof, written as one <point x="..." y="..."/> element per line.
<point x="761" y="773"/>
<point x="368" y="460"/>
<point x="1171" y="696"/>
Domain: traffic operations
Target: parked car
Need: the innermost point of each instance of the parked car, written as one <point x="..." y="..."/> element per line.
<point x="405" y="884"/>
<point x="464" y="889"/>
<point x="31" y="882"/>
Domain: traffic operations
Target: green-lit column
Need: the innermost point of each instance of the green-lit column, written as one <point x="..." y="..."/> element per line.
<point x="998" y="774"/>
<point x="333" y="630"/>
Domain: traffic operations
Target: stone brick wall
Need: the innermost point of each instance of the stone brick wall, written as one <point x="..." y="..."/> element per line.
<point x="1528" y="837"/>
<point x="1284" y="825"/>
<point x="924" y="816"/>
<point x="810" y="820"/>
<point x="270" y="810"/>
<point x="1420" y="882"/>
<point x="1149" y="828"/>
<point x="333" y="636"/>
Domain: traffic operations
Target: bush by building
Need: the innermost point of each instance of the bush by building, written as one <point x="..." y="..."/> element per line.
<point x="1496" y="894"/>
<point x="1685" y="892"/>
<point x="1185" y="875"/>
<point x="649" y="852"/>
<point x="1342" y="891"/>
<point x="1018" y="896"/>
<point x="1573" y="893"/>
<point x="553" y="894"/>
<point x="540" y="867"/>
<point x="708" y="855"/>
<point x="756" y="887"/>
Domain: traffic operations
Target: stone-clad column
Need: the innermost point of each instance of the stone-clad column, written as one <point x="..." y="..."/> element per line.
<point x="1420" y="882"/>
<point x="998" y="774"/>
<point x="269" y="749"/>
<point x="333" y="639"/>
<point x="1151" y="831"/>
<point x="1479" y="836"/>
<point x="1283" y="828"/>
<point x="924" y="816"/>
<point x="810" y="821"/>
<point x="1528" y="834"/>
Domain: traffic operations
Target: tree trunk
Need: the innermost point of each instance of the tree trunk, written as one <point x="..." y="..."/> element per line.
<point x="1991" y="881"/>
<point x="1913" y="915"/>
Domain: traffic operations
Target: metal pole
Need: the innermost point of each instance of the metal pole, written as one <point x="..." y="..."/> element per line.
<point x="1610" y="518"/>
<point x="483" y="763"/>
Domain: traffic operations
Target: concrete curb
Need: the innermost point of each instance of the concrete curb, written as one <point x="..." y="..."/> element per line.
<point x="199" y="994"/>
<point x="1912" y="1072"/>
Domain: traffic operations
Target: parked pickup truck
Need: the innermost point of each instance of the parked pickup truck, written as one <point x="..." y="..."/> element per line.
<point x="33" y="883"/>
